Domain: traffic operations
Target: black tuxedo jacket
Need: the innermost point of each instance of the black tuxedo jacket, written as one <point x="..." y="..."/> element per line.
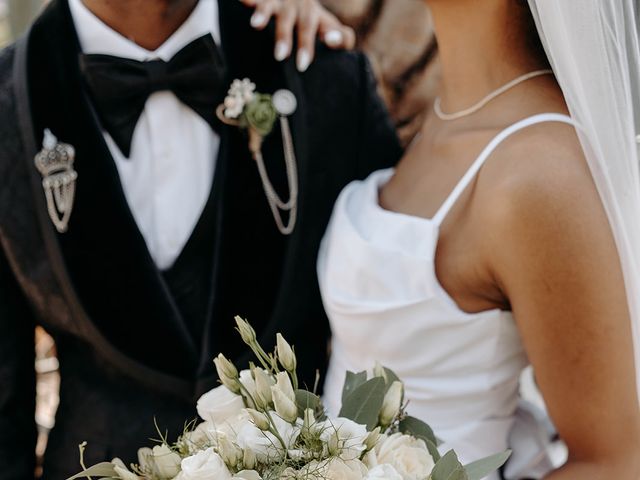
<point x="126" y="353"/>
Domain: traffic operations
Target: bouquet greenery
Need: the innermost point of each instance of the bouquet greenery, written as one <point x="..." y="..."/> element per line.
<point x="261" y="425"/>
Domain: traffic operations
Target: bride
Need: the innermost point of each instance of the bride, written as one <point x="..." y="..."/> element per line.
<point x="508" y="234"/>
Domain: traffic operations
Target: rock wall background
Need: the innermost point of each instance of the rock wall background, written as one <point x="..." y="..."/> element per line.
<point x="397" y="35"/>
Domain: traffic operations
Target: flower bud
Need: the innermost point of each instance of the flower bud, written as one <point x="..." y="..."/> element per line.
<point x="380" y="372"/>
<point x="285" y="407"/>
<point x="230" y="453"/>
<point x="260" y="420"/>
<point x="392" y="404"/>
<point x="309" y="419"/>
<point x="333" y="444"/>
<point x="249" y="460"/>
<point x="264" y="382"/>
<point x="283" y="382"/>
<point x="228" y="373"/>
<point x="285" y="354"/>
<point x="247" y="333"/>
<point x="372" y="439"/>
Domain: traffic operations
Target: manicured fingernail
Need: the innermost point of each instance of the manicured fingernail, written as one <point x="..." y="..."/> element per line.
<point x="258" y="19"/>
<point x="304" y="60"/>
<point x="282" y="50"/>
<point x="334" y="37"/>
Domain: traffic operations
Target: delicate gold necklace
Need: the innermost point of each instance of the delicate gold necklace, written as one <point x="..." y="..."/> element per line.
<point x="437" y="107"/>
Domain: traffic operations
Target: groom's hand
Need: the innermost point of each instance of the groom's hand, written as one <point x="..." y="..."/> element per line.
<point x="309" y="19"/>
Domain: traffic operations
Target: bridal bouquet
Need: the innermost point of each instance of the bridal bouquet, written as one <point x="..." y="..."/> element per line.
<point x="261" y="425"/>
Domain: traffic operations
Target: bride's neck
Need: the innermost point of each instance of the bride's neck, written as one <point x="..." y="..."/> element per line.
<point x="482" y="46"/>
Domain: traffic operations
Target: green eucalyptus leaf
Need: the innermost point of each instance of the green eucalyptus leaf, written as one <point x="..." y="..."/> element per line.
<point x="483" y="467"/>
<point x="419" y="429"/>
<point x="305" y="399"/>
<point x="102" y="470"/>
<point x="364" y="403"/>
<point x="449" y="468"/>
<point x="352" y="381"/>
<point x="433" y="450"/>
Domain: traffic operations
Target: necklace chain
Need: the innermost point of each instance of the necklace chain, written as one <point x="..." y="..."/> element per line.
<point x="437" y="107"/>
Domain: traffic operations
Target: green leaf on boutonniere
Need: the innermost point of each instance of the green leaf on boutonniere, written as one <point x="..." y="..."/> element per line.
<point x="102" y="470"/>
<point x="481" y="468"/>
<point x="364" y="403"/>
<point x="449" y="468"/>
<point x="419" y="429"/>
<point x="353" y="381"/>
<point x="261" y="114"/>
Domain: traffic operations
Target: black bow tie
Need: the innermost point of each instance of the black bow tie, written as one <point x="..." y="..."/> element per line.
<point x="120" y="87"/>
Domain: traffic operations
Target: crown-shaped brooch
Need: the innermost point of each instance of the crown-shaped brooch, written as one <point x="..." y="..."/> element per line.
<point x="55" y="164"/>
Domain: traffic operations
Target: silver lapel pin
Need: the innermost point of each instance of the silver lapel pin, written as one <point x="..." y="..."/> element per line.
<point x="55" y="164"/>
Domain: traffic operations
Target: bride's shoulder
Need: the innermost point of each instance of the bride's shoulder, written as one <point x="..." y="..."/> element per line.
<point x="540" y="176"/>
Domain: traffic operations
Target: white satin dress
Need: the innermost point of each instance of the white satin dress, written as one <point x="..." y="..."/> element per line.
<point x="385" y="304"/>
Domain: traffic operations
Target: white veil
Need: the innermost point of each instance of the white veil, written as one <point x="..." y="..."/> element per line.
<point x="593" y="49"/>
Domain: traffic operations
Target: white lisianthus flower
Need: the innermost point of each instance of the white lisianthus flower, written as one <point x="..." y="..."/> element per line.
<point x="122" y="471"/>
<point x="247" y="381"/>
<point x="247" y="475"/>
<point x="408" y="455"/>
<point x="265" y="445"/>
<point x="205" y="465"/>
<point x="334" y="469"/>
<point x="161" y="460"/>
<point x="383" y="472"/>
<point x="219" y="406"/>
<point x="345" y="436"/>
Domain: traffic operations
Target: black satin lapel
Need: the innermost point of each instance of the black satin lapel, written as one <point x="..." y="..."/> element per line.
<point x="106" y="256"/>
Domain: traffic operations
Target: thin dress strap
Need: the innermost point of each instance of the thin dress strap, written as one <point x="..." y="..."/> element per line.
<point x="486" y="153"/>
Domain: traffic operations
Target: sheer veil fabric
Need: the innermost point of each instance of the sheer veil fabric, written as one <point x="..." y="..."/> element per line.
<point x="593" y="49"/>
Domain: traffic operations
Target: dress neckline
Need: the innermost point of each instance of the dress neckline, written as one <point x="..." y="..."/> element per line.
<point x="380" y="178"/>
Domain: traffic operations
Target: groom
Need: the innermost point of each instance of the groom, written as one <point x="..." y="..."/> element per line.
<point x="171" y="234"/>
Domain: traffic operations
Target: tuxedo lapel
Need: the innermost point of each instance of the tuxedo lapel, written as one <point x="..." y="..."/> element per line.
<point x="106" y="258"/>
<point x="248" y="238"/>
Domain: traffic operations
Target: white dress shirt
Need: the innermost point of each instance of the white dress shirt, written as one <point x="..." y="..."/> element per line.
<point x="168" y="177"/>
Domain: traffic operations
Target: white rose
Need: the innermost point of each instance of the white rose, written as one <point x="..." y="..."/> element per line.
<point x="332" y="469"/>
<point x="383" y="472"/>
<point x="220" y="405"/>
<point x="345" y="436"/>
<point x="339" y="469"/>
<point x="247" y="475"/>
<point x="408" y="455"/>
<point x="205" y="465"/>
<point x="162" y="461"/>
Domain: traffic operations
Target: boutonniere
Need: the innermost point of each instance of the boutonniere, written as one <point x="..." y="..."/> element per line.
<point x="257" y="114"/>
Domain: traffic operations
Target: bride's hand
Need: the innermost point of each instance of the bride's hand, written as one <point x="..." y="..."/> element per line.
<point x="308" y="19"/>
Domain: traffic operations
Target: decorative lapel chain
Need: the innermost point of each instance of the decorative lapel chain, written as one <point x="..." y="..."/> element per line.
<point x="257" y="113"/>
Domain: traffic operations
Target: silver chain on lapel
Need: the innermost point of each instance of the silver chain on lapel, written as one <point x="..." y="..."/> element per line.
<point x="285" y="104"/>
